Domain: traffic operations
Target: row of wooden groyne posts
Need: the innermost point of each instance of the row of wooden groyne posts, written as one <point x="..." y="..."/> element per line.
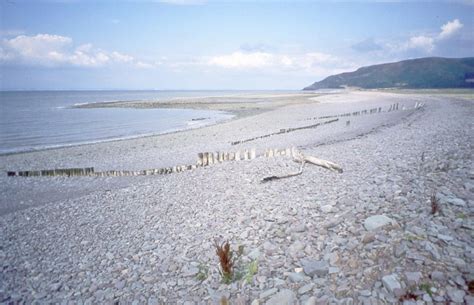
<point x="334" y="118"/>
<point x="281" y="131"/>
<point x="393" y="107"/>
<point x="204" y="159"/>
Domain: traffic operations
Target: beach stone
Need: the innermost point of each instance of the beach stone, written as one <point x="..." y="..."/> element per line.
<point x="254" y="254"/>
<point x="269" y="248"/>
<point x="268" y="293"/>
<point x="314" y="267"/>
<point x="469" y="299"/>
<point x="284" y="297"/>
<point x="368" y="237"/>
<point x="153" y="301"/>
<point x="326" y="208"/>
<point x="456" y="295"/>
<point x="306" y="288"/>
<point x="365" y="293"/>
<point x="298" y="228"/>
<point x="333" y="270"/>
<point x="296" y="248"/>
<point x="438" y="276"/>
<point x="311" y="301"/>
<point x="190" y="271"/>
<point x="119" y="285"/>
<point x="445" y="238"/>
<point x="456" y="201"/>
<point x="391" y="283"/>
<point x="427" y="298"/>
<point x="296" y="277"/>
<point x="413" y="278"/>
<point x="377" y="221"/>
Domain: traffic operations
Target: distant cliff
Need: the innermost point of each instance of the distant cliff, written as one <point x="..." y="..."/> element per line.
<point x="430" y="72"/>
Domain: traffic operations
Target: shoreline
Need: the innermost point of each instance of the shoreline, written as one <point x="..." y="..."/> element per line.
<point x="194" y="103"/>
<point x="92" y="142"/>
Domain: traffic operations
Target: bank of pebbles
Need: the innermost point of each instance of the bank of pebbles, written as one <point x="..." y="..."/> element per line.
<point x="366" y="236"/>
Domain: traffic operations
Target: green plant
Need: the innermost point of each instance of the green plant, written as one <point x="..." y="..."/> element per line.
<point x="252" y="269"/>
<point x="413" y="237"/>
<point x="231" y="266"/>
<point x="426" y="287"/>
<point x="202" y="273"/>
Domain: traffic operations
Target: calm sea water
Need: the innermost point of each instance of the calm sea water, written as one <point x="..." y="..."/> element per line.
<point x="31" y="120"/>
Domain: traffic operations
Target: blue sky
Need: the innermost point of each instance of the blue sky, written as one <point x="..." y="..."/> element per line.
<point x="193" y="44"/>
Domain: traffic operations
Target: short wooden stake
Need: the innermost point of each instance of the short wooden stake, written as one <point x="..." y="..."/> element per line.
<point x="253" y="153"/>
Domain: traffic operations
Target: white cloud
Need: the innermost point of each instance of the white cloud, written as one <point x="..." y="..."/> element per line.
<point x="421" y="42"/>
<point x="121" y="57"/>
<point x="241" y="60"/>
<point x="259" y="60"/>
<point x="450" y="28"/>
<point x="144" y="65"/>
<point x="428" y="43"/>
<point x="55" y="50"/>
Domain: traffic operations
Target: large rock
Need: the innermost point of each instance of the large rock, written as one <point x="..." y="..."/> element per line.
<point x="377" y="221"/>
<point x="456" y="295"/>
<point x="313" y="267"/>
<point x="391" y="283"/>
<point x="284" y="297"/>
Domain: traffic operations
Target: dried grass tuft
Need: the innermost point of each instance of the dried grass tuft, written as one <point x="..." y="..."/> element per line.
<point x="435" y="207"/>
<point x="226" y="260"/>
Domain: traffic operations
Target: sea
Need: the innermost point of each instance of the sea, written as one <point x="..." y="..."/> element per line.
<point x="36" y="120"/>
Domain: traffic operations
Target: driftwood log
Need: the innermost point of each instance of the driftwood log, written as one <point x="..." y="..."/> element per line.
<point x="323" y="163"/>
<point x="303" y="159"/>
<point x="270" y="178"/>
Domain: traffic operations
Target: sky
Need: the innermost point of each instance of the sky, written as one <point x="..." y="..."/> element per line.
<point x="217" y="45"/>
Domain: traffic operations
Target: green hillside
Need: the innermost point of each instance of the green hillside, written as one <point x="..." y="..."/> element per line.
<point x="430" y="72"/>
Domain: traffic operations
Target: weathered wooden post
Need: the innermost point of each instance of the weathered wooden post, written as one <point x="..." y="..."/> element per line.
<point x="270" y="153"/>
<point x="253" y="153"/>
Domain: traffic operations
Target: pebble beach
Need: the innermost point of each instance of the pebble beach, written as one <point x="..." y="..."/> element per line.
<point x="368" y="235"/>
